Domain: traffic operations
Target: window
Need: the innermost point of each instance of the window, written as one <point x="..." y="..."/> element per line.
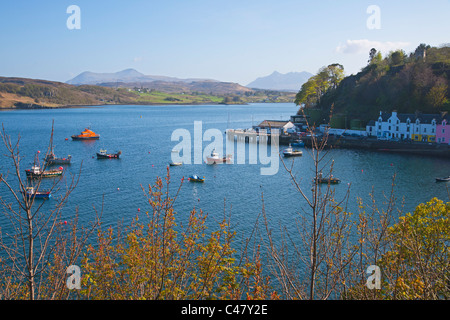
<point x="389" y="128"/>
<point x="432" y="130"/>
<point x="407" y="129"/>
<point x="389" y="120"/>
<point x="424" y="129"/>
<point x="379" y="127"/>
<point x="396" y="129"/>
<point x="443" y="139"/>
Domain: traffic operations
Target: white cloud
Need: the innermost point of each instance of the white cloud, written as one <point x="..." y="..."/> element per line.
<point x="364" y="46"/>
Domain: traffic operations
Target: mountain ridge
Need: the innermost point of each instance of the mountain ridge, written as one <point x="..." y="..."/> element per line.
<point x="291" y="81"/>
<point x="123" y="76"/>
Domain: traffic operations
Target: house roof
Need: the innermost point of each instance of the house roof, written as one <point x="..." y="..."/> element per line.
<point x="273" y="123"/>
<point x="423" y="118"/>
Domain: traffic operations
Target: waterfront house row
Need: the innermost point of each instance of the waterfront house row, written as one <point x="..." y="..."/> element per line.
<point x="415" y="127"/>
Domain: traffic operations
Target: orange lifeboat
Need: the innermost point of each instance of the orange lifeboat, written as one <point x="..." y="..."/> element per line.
<point x="87" y="134"/>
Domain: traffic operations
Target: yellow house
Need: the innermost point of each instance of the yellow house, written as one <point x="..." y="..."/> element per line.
<point x="423" y="138"/>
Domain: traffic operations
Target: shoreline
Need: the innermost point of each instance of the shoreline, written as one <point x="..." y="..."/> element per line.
<point x="399" y="147"/>
<point x="37" y="107"/>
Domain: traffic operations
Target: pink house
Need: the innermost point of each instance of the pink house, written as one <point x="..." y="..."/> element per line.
<point x="443" y="132"/>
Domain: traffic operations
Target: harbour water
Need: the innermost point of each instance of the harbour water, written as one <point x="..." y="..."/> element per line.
<point x="143" y="134"/>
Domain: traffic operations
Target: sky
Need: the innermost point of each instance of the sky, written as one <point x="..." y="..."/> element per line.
<point x="234" y="41"/>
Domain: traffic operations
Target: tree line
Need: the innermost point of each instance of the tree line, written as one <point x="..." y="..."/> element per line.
<point x="408" y="83"/>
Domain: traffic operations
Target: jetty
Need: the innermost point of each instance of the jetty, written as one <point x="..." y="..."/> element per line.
<point x="253" y="136"/>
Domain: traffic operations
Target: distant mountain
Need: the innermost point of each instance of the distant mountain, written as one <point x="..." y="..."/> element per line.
<point x="291" y="81"/>
<point x="124" y="76"/>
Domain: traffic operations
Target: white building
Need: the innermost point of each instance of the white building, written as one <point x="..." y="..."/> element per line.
<point x="283" y="126"/>
<point x="417" y="127"/>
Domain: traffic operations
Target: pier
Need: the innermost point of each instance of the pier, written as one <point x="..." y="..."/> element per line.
<point x="253" y="136"/>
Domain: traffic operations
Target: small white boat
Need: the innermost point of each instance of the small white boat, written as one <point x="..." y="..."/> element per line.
<point x="214" y="158"/>
<point x="175" y="163"/>
<point x="290" y="152"/>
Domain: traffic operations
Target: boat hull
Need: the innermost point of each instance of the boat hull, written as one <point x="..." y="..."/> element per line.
<point x="54" y="160"/>
<point x="218" y="160"/>
<point x="39" y="195"/>
<point x="44" y="174"/>
<point x="85" y="138"/>
<point x="328" y="180"/>
<point x="293" y="154"/>
<point x="196" y="179"/>
<point x="108" y="156"/>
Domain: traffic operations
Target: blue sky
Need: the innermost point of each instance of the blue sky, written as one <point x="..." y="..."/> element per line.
<point x="235" y="41"/>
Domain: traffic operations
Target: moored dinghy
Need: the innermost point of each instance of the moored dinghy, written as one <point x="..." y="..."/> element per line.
<point x="196" y="178"/>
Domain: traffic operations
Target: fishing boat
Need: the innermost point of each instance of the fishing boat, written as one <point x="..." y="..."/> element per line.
<point x="175" y="164"/>
<point x="43" y="194"/>
<point x="104" y="155"/>
<point x="51" y="159"/>
<point x="87" y="134"/>
<point x="196" y="178"/>
<point x="444" y="179"/>
<point x="328" y="180"/>
<point x="214" y="158"/>
<point x="291" y="152"/>
<point x="37" y="172"/>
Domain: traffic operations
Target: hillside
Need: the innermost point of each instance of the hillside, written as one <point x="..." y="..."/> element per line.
<point x="419" y="81"/>
<point x="34" y="93"/>
<point x="208" y="87"/>
<point x="291" y="81"/>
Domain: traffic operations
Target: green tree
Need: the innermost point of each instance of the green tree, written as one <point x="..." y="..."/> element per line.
<point x="397" y="58"/>
<point x="437" y="96"/>
<point x="418" y="265"/>
<point x="317" y="86"/>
